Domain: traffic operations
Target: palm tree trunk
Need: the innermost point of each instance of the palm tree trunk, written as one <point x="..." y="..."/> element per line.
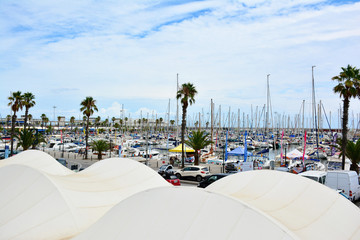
<point x="344" y="131"/>
<point x="183" y="126"/>
<point x="12" y="134"/>
<point x="26" y="117"/>
<point x="86" y="137"/>
<point x="196" y="157"/>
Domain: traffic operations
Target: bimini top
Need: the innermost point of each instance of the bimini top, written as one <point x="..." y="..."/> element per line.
<point x="38" y="205"/>
<point x="184" y="213"/>
<point x="38" y="160"/>
<point x="308" y="209"/>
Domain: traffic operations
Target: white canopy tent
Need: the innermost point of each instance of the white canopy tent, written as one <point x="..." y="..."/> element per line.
<point x="38" y="205"/>
<point x="184" y="213"/>
<point x="37" y="160"/>
<point x="308" y="209"/>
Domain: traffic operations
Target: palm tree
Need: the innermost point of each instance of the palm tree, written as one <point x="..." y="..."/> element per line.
<point x="87" y="107"/>
<point x="121" y="122"/>
<point x="8" y="119"/>
<point x="160" y="121"/>
<point x="196" y="124"/>
<point x="113" y="120"/>
<point x="46" y="120"/>
<point x="348" y="87"/>
<point x="100" y="146"/>
<point x="353" y="153"/>
<point x="172" y="122"/>
<point x="27" y="102"/>
<point x="186" y="93"/>
<point x="97" y="121"/>
<point x="105" y="122"/>
<point x="37" y="139"/>
<point x="25" y="139"/>
<point x="198" y="140"/>
<point x="156" y="123"/>
<point x="16" y="104"/>
<point x="72" y="121"/>
<point x="125" y="119"/>
<point x="49" y="129"/>
<point x="43" y="116"/>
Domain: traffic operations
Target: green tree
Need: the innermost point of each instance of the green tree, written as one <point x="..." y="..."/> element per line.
<point x="105" y="122"/>
<point x="121" y="123"/>
<point x="186" y="94"/>
<point x="172" y="122"/>
<point x="8" y="119"/>
<point x="100" y="146"/>
<point x="88" y="107"/>
<point x="28" y="101"/>
<point x="126" y="119"/>
<point x="198" y="140"/>
<point x="16" y="104"/>
<point x="352" y="152"/>
<point x="97" y="121"/>
<point x="348" y="87"/>
<point x="46" y="121"/>
<point x="25" y="139"/>
<point x="113" y="120"/>
<point x="156" y="123"/>
<point x="43" y="116"/>
<point x="38" y="138"/>
<point x="49" y="129"/>
<point x="160" y="121"/>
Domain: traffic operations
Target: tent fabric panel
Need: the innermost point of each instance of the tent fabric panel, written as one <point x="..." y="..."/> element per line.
<point x="305" y="207"/>
<point x="202" y="219"/>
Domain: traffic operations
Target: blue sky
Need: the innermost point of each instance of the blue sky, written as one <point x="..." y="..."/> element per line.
<point x="129" y="52"/>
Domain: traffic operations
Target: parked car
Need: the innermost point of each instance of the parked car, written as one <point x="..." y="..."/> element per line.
<point x="346" y="181"/>
<point x="166" y="168"/>
<point x="211" y="178"/>
<point x="193" y="172"/>
<point x="171" y="178"/>
<point x="318" y="176"/>
<point x="230" y="167"/>
<point x="62" y="161"/>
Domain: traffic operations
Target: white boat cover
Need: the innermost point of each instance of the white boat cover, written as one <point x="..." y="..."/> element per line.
<point x="184" y="213"/>
<point x="308" y="209"/>
<point x="38" y="205"/>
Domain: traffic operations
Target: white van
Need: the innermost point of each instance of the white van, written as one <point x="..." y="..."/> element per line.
<point x="347" y="181"/>
<point x="318" y="176"/>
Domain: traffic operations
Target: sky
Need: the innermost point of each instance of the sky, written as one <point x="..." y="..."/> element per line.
<point x="129" y="54"/>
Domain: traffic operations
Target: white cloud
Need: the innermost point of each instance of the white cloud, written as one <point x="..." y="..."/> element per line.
<point x="124" y="51"/>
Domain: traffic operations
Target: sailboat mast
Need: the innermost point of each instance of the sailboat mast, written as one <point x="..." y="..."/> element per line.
<point x="212" y="122"/>
<point x="314" y="110"/>
<point x="177" y="107"/>
<point x="267" y="104"/>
